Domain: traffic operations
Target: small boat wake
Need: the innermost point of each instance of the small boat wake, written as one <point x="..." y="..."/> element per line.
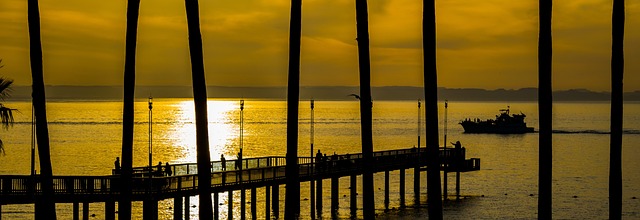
<point x="631" y="131"/>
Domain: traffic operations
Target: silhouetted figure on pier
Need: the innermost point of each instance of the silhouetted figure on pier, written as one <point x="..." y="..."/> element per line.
<point x="324" y="162"/>
<point x="159" y="169"/>
<point x="239" y="160"/>
<point x="224" y="162"/>
<point x="457" y="154"/>
<point x="319" y="161"/>
<point x="167" y="169"/>
<point x="117" y="165"/>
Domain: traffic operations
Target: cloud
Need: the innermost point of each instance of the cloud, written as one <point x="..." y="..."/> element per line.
<point x="487" y="44"/>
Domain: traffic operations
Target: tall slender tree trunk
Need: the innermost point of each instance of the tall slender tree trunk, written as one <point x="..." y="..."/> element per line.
<point x="45" y="207"/>
<point x="366" y="103"/>
<point x="434" y="194"/>
<point x="124" y="202"/>
<point x="545" y="102"/>
<point x="292" y="200"/>
<point x="200" y="101"/>
<point x="617" y="73"/>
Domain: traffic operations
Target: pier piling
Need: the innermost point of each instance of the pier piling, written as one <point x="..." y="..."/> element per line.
<point x="177" y="208"/>
<point x="267" y="203"/>
<point x="187" y="207"/>
<point x="457" y="185"/>
<point x="386" y="190"/>
<point x="109" y="210"/>
<point x="254" y="210"/>
<point x="76" y="211"/>
<point x="334" y="196"/>
<point x="319" y="197"/>
<point x="149" y="209"/>
<point x="243" y="204"/>
<point x="230" y="205"/>
<point x="276" y="201"/>
<point x="216" y="203"/>
<point x="416" y="185"/>
<point x="402" y="188"/>
<point x="354" y="203"/>
<point x="85" y="211"/>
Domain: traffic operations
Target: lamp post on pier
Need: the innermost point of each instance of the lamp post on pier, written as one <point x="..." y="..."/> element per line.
<point x="33" y="143"/>
<point x="447" y="158"/>
<point x="311" y="191"/>
<point x="150" y="135"/>
<point x="419" y="124"/>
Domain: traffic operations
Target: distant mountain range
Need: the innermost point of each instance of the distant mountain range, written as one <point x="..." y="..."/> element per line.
<point x="318" y="93"/>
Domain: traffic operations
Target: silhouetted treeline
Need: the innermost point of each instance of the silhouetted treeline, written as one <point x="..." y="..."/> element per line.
<point x="317" y="93"/>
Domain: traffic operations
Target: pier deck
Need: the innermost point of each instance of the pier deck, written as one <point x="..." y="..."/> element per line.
<point x="255" y="172"/>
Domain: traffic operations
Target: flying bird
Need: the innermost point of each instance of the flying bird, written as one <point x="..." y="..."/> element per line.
<point x="354" y="95"/>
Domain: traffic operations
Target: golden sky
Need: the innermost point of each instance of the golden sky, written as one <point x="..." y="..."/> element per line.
<point x="481" y="44"/>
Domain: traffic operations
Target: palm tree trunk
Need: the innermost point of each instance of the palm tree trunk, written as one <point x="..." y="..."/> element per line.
<point x="45" y="207"/>
<point x="292" y="200"/>
<point x="366" y="104"/>
<point x="124" y="202"/>
<point x="545" y="102"/>
<point x="200" y="101"/>
<point x="434" y="194"/>
<point x="617" y="73"/>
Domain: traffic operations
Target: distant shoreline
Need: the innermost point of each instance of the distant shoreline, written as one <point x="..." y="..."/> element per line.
<point x="106" y="93"/>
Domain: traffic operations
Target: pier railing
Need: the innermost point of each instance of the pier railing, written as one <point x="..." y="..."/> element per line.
<point x="255" y="172"/>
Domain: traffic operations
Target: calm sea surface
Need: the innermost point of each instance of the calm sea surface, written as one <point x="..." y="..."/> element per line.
<point x="86" y="138"/>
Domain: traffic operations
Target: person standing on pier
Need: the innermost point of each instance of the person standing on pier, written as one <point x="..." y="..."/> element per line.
<point x="457" y="145"/>
<point x="319" y="161"/>
<point x="239" y="160"/>
<point x="167" y="169"/>
<point x="117" y="165"/>
<point x="159" y="169"/>
<point x="325" y="162"/>
<point x="458" y="152"/>
<point x="224" y="162"/>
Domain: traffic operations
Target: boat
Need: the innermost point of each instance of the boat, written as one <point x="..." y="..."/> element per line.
<point x="503" y="124"/>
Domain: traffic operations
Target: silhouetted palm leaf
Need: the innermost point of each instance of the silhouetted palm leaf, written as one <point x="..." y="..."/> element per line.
<point x="5" y="88"/>
<point x="6" y="116"/>
<point x="1" y="147"/>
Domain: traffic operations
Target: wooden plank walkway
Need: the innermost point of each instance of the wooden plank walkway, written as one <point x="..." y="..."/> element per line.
<point x="255" y="172"/>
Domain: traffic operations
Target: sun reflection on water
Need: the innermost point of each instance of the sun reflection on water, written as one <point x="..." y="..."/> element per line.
<point x="223" y="129"/>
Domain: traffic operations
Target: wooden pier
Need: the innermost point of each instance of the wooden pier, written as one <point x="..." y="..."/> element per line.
<point x="151" y="186"/>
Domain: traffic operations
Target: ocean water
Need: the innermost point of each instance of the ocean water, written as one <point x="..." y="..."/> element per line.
<point x="86" y="138"/>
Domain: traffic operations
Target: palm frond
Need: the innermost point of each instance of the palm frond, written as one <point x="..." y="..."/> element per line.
<point x="5" y="88"/>
<point x="2" y="148"/>
<point x="6" y="116"/>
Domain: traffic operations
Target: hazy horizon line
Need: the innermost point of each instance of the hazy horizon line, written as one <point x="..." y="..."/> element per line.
<point x="317" y="93"/>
